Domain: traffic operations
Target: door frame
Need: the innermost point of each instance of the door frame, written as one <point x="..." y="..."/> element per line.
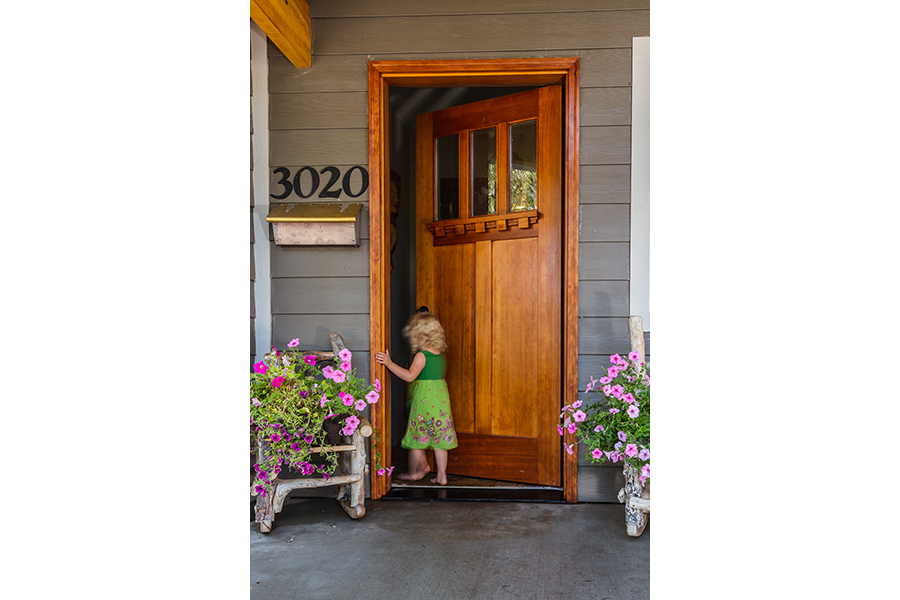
<point x="445" y="73"/>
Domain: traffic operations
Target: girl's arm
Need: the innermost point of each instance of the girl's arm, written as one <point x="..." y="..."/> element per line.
<point x="418" y="363"/>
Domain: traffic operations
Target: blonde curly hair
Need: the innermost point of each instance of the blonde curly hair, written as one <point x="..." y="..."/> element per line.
<point x="424" y="331"/>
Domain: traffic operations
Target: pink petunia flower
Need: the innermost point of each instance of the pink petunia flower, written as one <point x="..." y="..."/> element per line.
<point x="605" y="380"/>
<point x="327" y="372"/>
<point x="260" y="367"/>
<point x="377" y="386"/>
<point x="599" y="428"/>
<point x="589" y="386"/>
<point x="338" y="376"/>
<point x="631" y="450"/>
<point x="350" y="425"/>
<point x="346" y="366"/>
<point x="613" y="456"/>
<point x="579" y="416"/>
<point x="310" y="359"/>
<point x="634" y="356"/>
<point x="622" y="436"/>
<point x="597" y="453"/>
<point x="293" y="343"/>
<point x="613" y="411"/>
<point x="577" y="404"/>
<point x="628" y="398"/>
<point x="633" y="411"/>
<point x="644" y="454"/>
<point x="380" y="471"/>
<point x="615" y="359"/>
<point x="561" y="430"/>
<point x="345" y="355"/>
<point x="255" y="402"/>
<point x="323" y="401"/>
<point x="346" y="398"/>
<point x="568" y="448"/>
<point x="612" y="372"/>
<point x="572" y="428"/>
<point x="645" y="471"/>
<point x="617" y="391"/>
<point x="360" y="404"/>
<point x="372" y="397"/>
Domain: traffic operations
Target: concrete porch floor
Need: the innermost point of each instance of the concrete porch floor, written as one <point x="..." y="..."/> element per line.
<point x="434" y="550"/>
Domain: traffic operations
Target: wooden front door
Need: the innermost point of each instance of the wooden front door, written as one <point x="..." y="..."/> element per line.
<point x="489" y="265"/>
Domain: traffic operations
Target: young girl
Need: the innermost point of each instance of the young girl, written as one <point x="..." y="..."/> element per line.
<point x="430" y="422"/>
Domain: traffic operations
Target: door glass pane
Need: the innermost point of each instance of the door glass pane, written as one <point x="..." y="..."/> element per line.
<point x="484" y="172"/>
<point x="523" y="166"/>
<point x="448" y="177"/>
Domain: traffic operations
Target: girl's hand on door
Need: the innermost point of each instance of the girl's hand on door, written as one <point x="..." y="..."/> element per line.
<point x="383" y="358"/>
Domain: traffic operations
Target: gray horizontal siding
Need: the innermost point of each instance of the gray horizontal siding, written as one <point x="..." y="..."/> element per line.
<point x="319" y="261"/>
<point x="605" y="223"/>
<point x="319" y="9"/>
<point x="320" y="295"/>
<point x="318" y="110"/>
<point x="480" y="33"/>
<point x="319" y="147"/>
<point x="603" y="298"/>
<point x="603" y="260"/>
<point x="606" y="145"/>
<point x="603" y="335"/>
<point x="313" y="331"/>
<point x="603" y="67"/>
<point x="605" y="106"/>
<point x="605" y="184"/>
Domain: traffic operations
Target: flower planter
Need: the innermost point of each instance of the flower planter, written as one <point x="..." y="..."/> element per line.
<point x="636" y="498"/>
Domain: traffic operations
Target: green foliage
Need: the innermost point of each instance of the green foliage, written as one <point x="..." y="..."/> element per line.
<point x="291" y="399"/>
<point x="617" y="426"/>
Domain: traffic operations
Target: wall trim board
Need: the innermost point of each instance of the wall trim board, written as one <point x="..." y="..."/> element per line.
<point x="513" y="72"/>
<point x="259" y="68"/>
<point x="640" y="182"/>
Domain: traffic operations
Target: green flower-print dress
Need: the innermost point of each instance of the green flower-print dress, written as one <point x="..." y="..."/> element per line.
<point x="430" y="422"/>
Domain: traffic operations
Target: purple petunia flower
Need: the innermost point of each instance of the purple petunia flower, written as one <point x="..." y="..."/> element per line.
<point x="644" y="454"/>
<point x="622" y="436"/>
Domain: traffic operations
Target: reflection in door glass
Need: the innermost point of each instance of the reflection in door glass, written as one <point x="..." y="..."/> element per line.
<point x="523" y="165"/>
<point x="484" y="172"/>
<point x="448" y="177"/>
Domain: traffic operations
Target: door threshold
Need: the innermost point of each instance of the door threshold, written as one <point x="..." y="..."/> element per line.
<point x="471" y="494"/>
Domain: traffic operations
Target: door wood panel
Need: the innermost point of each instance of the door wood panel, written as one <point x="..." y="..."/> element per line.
<point x="498" y="294"/>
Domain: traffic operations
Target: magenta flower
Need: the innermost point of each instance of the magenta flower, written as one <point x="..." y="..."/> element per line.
<point x="323" y="401"/>
<point x="260" y="367"/>
<point x="631" y="450"/>
<point x="350" y="425"/>
<point x="579" y="416"/>
<point x="615" y="358"/>
<point x="377" y="386"/>
<point x="310" y="359"/>
<point x="561" y="430"/>
<point x="308" y="439"/>
<point x="628" y="398"/>
<point x="327" y="371"/>
<point x="346" y="366"/>
<point x="613" y="411"/>
<point x="572" y="428"/>
<point x="380" y="471"/>
<point x="260" y="490"/>
<point x="390" y="470"/>
<point x="277" y="381"/>
<point x="577" y="403"/>
<point x="645" y="471"/>
<point x="613" y="456"/>
<point x="295" y="446"/>
<point x="612" y="372"/>
<point x="617" y="391"/>
<point x="255" y="402"/>
<point x="346" y="398"/>
<point x="644" y="454"/>
<point x="293" y="343"/>
<point x="338" y="376"/>
<point x="568" y="448"/>
<point x="599" y="428"/>
<point x="634" y="356"/>
<point x="605" y="380"/>
<point x="589" y="386"/>
<point x="622" y="436"/>
<point x="360" y="404"/>
<point x="275" y="437"/>
<point x="633" y="411"/>
<point x="372" y="397"/>
<point x="597" y="453"/>
<point x="345" y="355"/>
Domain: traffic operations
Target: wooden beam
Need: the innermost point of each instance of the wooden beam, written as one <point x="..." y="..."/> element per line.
<point x="286" y="23"/>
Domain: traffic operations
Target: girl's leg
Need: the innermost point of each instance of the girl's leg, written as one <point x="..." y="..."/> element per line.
<point x="440" y="460"/>
<point x="418" y="465"/>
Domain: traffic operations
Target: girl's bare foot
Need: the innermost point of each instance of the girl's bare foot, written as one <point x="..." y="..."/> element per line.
<point x="414" y="476"/>
<point x="440" y="480"/>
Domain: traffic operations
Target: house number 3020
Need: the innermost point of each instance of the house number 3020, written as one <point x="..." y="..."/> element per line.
<point x="306" y="182"/>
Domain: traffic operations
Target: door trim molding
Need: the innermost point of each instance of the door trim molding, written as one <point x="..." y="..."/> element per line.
<point x="442" y="73"/>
